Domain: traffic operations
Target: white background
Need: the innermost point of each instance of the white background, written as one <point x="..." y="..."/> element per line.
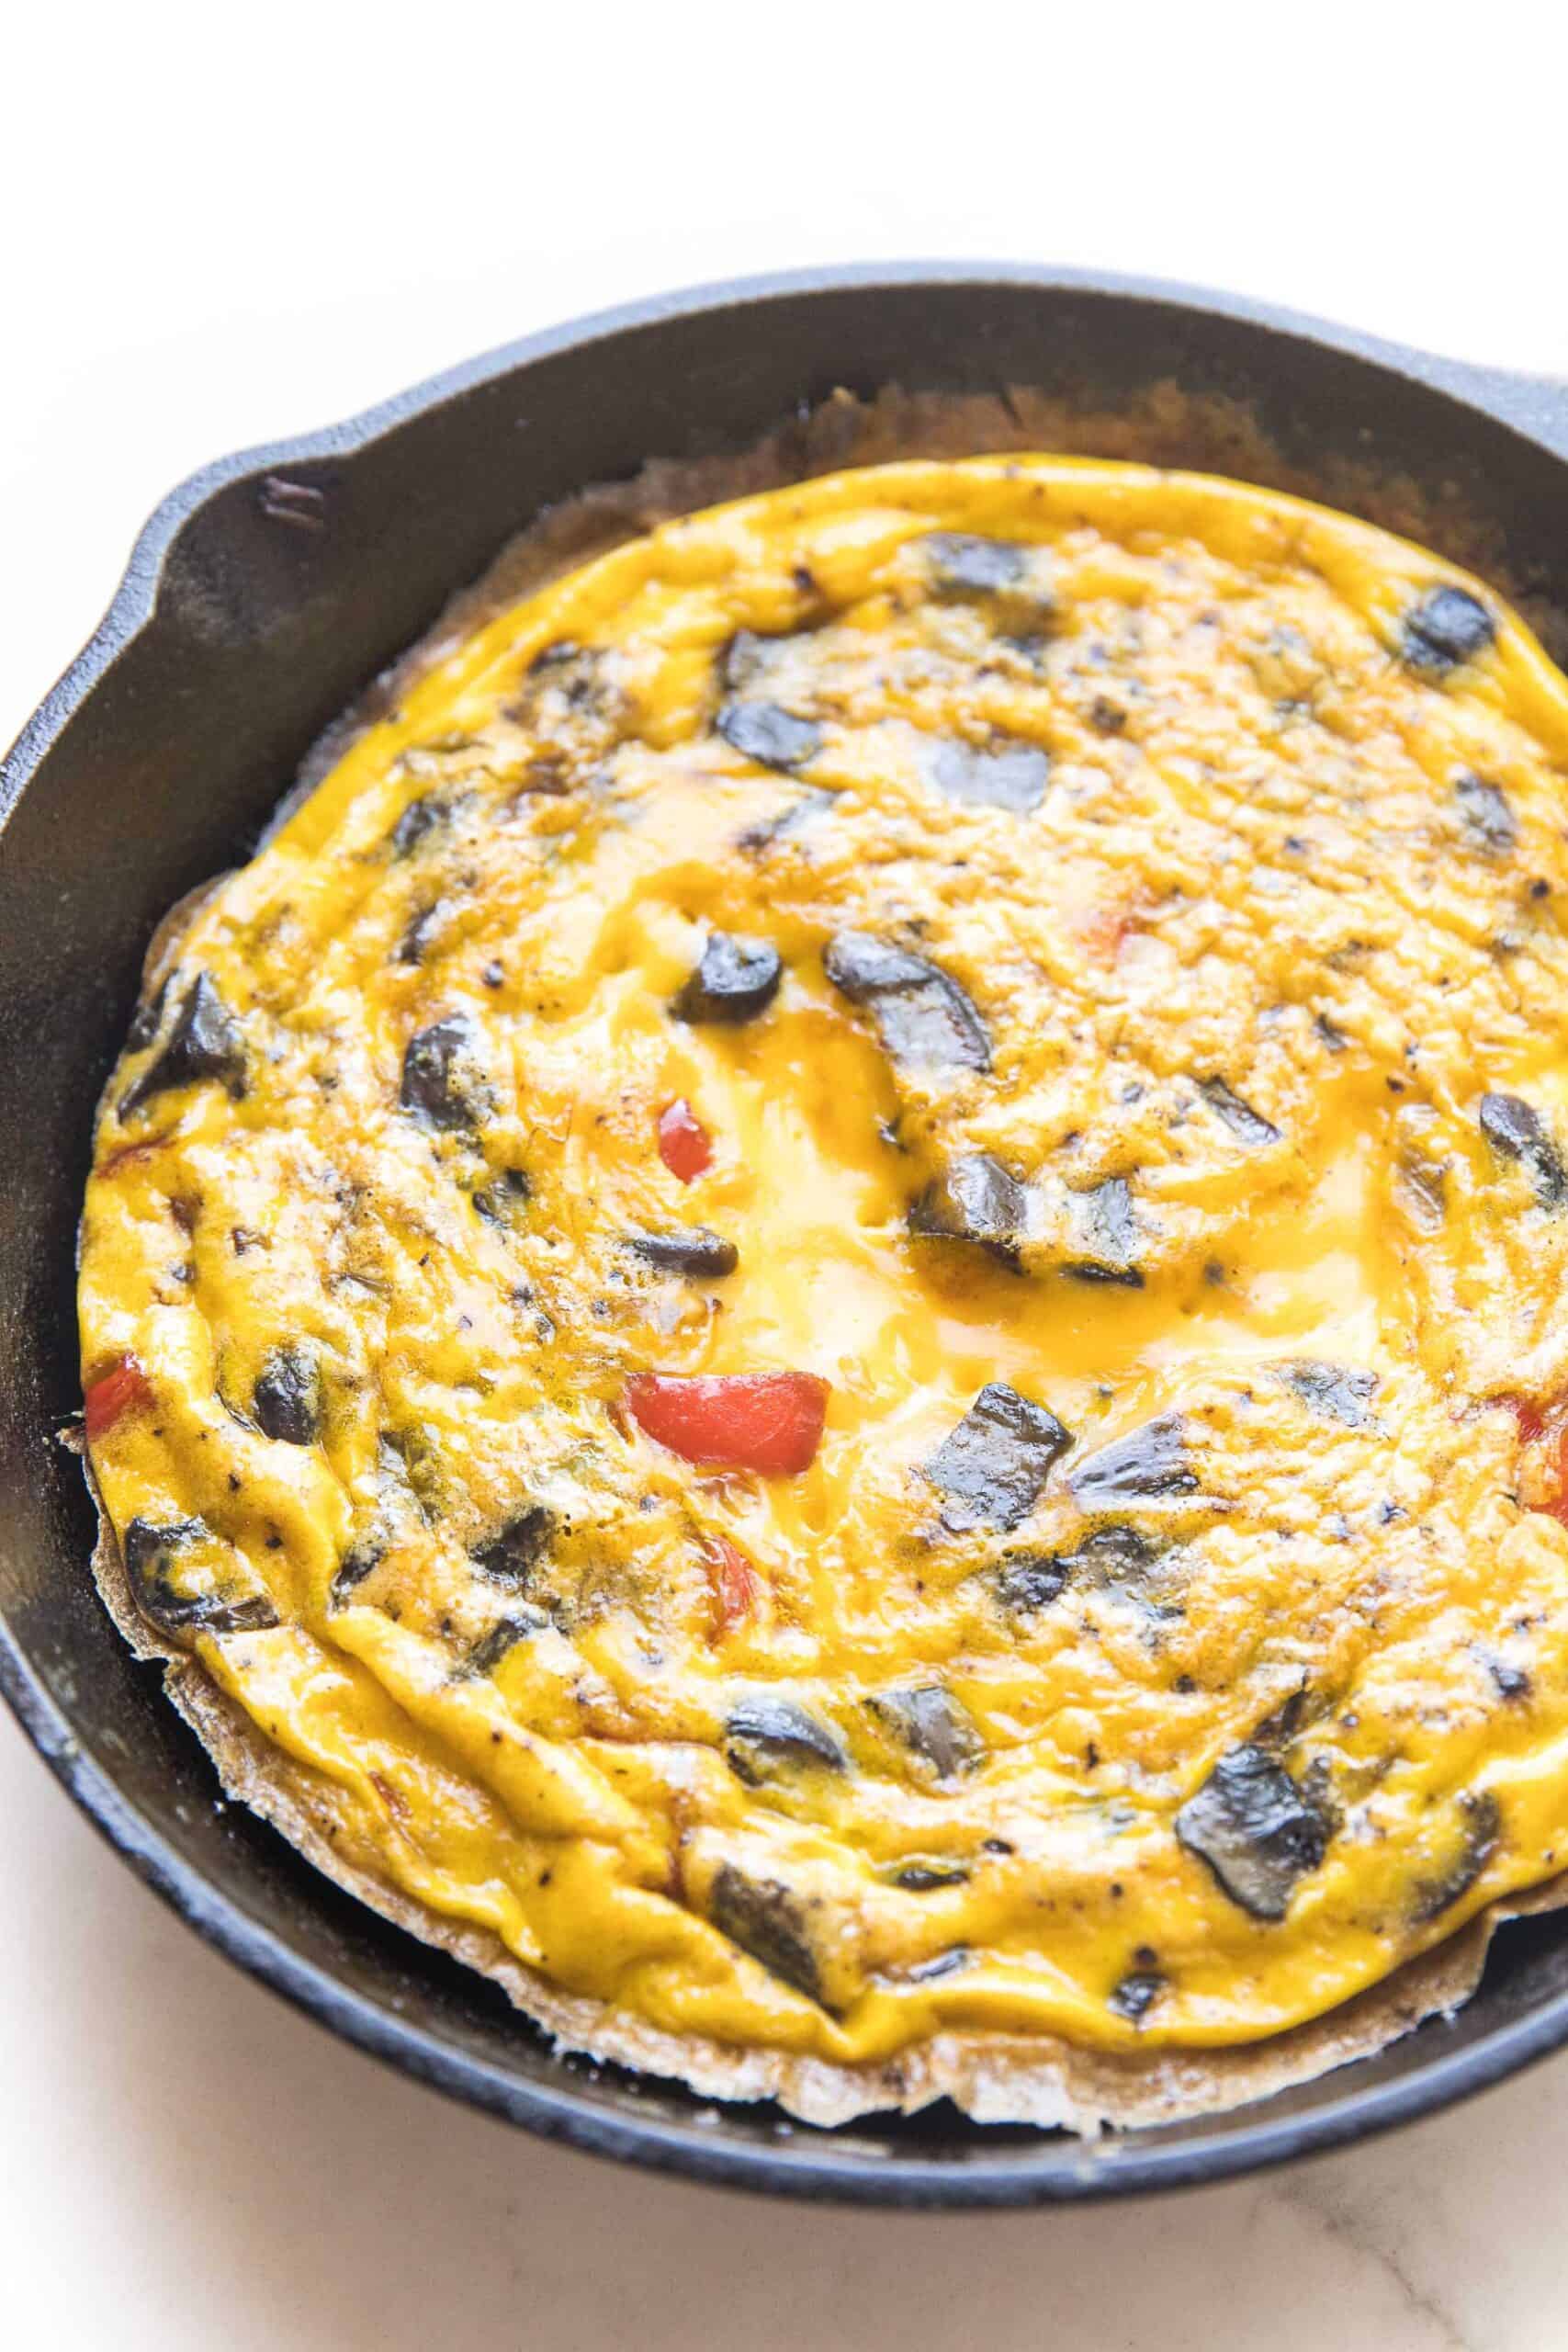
<point x="220" y="225"/>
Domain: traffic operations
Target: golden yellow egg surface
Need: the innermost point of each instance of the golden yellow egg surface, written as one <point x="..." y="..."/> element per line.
<point x="842" y="1280"/>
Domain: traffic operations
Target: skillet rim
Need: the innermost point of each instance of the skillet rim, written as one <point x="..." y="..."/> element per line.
<point x="800" y="2163"/>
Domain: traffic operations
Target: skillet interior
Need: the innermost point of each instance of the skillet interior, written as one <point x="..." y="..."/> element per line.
<point x="263" y="597"/>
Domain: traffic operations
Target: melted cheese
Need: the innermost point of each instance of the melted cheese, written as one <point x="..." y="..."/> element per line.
<point x="1251" y="943"/>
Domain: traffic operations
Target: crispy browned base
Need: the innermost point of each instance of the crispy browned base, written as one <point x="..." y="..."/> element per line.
<point x="995" y="2077"/>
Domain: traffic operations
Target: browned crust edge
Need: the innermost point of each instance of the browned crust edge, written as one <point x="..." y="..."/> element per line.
<point x="994" y="2077"/>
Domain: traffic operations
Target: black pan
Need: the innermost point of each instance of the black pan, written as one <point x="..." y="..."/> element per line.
<point x="260" y="599"/>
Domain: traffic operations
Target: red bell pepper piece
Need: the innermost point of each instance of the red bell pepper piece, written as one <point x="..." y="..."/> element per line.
<point x="769" y="1421"/>
<point x="684" y="1145"/>
<point x="124" y="1388"/>
<point x="1555" y="1448"/>
<point x="1546" y="1426"/>
<point x="737" y="1586"/>
<point x="130" y="1152"/>
<point x="1532" y="1418"/>
<point x="1103" y="932"/>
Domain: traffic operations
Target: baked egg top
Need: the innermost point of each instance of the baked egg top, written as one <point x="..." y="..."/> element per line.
<point x="843" y="1278"/>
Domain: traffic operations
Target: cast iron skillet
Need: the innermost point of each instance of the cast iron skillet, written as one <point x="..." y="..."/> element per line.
<point x="261" y="597"/>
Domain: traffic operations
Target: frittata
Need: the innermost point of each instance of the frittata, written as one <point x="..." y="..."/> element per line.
<point x="837" y="1288"/>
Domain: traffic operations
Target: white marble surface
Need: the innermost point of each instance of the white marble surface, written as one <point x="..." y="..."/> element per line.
<point x="185" y="2162"/>
<point x="221" y="225"/>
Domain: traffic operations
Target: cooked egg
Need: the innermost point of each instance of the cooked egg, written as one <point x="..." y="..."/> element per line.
<point x="841" y="1282"/>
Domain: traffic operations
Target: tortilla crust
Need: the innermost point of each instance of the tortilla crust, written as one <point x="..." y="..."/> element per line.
<point x="1040" y="2080"/>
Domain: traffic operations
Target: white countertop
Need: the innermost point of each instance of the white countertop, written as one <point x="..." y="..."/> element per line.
<point x="224" y="226"/>
<point x="188" y="2164"/>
